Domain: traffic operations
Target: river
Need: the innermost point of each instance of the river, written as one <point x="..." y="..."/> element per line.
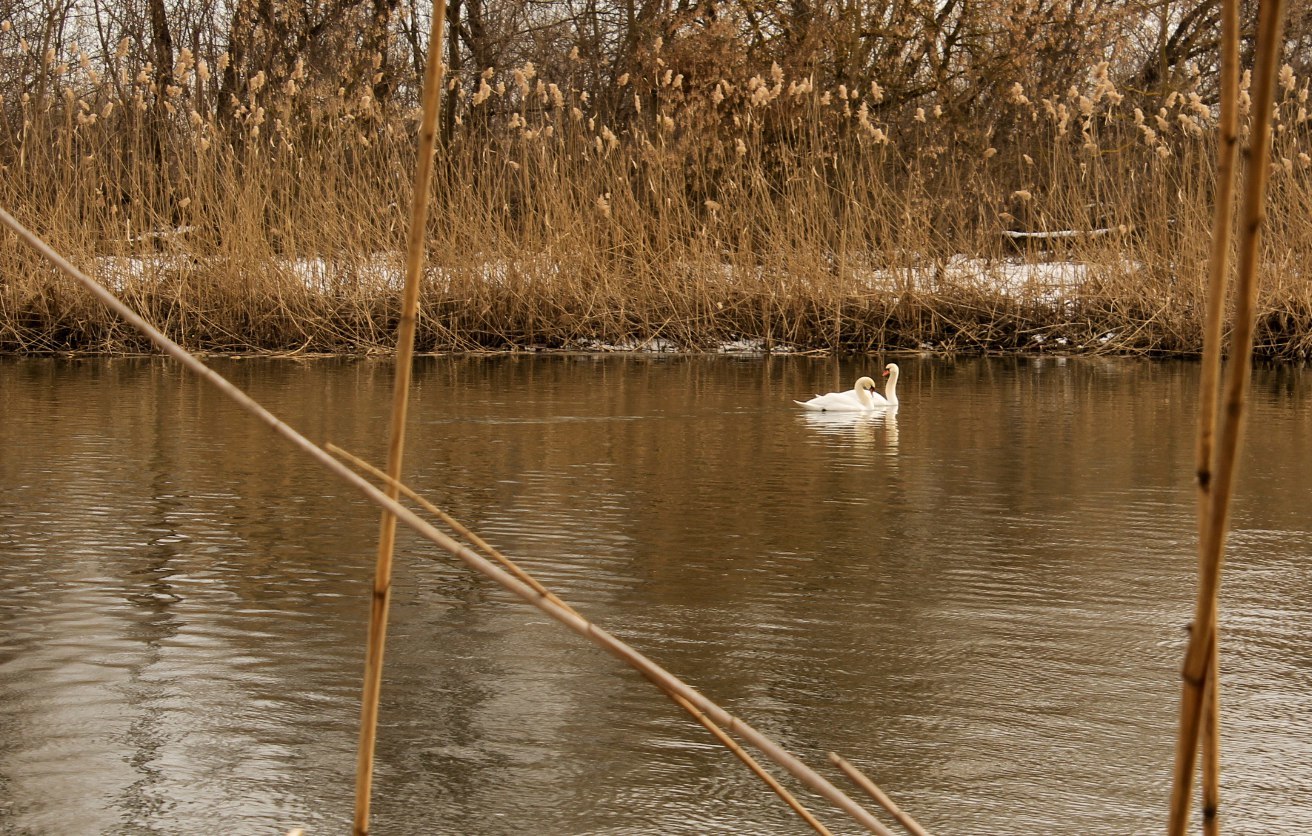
<point x="981" y="600"/>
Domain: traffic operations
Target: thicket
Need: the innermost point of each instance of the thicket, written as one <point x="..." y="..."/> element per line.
<point x="837" y="176"/>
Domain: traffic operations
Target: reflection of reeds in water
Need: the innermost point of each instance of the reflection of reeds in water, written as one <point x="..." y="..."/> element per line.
<point x="519" y="573"/>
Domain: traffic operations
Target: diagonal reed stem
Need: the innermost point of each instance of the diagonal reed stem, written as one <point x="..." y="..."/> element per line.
<point x="380" y="600"/>
<point x="1223" y="215"/>
<point x="649" y="669"/>
<point x="728" y="742"/>
<point x="872" y="789"/>
<point x="1224" y="462"/>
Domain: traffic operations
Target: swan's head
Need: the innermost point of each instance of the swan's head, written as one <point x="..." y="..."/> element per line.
<point x="865" y="384"/>
<point x="890" y="370"/>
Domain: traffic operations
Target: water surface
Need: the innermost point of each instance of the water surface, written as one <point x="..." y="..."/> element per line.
<point x="980" y="600"/>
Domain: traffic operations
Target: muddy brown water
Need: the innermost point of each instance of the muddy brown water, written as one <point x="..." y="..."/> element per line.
<point x="980" y="600"/>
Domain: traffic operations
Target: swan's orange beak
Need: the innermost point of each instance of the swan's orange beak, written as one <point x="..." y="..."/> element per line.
<point x="885" y="372"/>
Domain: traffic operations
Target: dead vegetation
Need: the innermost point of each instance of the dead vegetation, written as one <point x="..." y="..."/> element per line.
<point x="691" y="199"/>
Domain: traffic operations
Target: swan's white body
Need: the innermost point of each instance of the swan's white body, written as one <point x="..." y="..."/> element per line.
<point x="861" y="398"/>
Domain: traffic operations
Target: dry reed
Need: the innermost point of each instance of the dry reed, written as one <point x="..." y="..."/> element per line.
<point x="1209" y="383"/>
<point x="1199" y="694"/>
<point x="872" y="789"/>
<point x="792" y="219"/>
<point x="405" y="342"/>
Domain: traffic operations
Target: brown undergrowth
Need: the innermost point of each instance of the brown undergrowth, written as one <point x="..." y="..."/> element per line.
<point x="764" y="211"/>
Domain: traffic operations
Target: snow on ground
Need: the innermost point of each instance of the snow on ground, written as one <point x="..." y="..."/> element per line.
<point x="741" y="346"/>
<point x="115" y="272"/>
<point x="1051" y="283"/>
<point x="656" y="345"/>
<point x="1048" y="282"/>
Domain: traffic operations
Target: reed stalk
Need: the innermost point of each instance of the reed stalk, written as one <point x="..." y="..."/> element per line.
<point x="1201" y="648"/>
<point x="1210" y="742"/>
<point x="1217" y="285"/>
<point x="512" y="567"/>
<point x="612" y="645"/>
<point x="872" y="789"/>
<point x="405" y="343"/>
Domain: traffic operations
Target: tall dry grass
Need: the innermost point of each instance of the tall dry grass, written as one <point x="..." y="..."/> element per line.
<point x="761" y="208"/>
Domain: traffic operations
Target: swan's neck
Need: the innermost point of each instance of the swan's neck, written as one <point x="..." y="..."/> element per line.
<point x="890" y="388"/>
<point x="864" y="397"/>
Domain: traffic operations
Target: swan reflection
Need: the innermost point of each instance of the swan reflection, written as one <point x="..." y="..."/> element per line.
<point x="866" y="428"/>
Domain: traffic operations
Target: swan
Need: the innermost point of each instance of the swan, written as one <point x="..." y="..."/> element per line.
<point x="861" y="398"/>
<point x="890" y="388"/>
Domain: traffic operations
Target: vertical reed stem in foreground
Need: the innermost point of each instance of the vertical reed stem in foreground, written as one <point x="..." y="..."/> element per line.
<point x="1201" y="647"/>
<point x="1210" y="741"/>
<point x="1218" y="269"/>
<point x="405" y="341"/>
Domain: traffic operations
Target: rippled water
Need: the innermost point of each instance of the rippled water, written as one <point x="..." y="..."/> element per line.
<point x="980" y="601"/>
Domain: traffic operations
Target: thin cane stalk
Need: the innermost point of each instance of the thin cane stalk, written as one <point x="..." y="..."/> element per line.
<point x="405" y="342"/>
<point x="1209" y="384"/>
<point x="1234" y="408"/>
<point x="649" y="669"/>
<point x="514" y="569"/>
<point x="750" y="762"/>
<point x="1211" y="744"/>
<point x="872" y="789"/>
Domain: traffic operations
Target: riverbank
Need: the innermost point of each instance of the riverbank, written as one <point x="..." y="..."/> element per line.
<point x="768" y="212"/>
<point x="312" y="306"/>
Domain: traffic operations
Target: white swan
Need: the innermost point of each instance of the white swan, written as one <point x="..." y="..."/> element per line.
<point x="861" y="398"/>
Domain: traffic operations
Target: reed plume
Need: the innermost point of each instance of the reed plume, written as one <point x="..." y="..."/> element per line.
<point x="734" y="206"/>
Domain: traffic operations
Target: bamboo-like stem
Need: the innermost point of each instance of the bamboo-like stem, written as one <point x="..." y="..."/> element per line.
<point x="1210" y="741"/>
<point x="1218" y="267"/>
<point x="1217" y="280"/>
<point x="871" y="789"/>
<point x="514" y="569"/>
<point x="1234" y="398"/>
<point x="405" y="342"/>
<point x="649" y="669"/>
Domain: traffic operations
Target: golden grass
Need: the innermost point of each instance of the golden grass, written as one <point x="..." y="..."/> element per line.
<point x="769" y="210"/>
